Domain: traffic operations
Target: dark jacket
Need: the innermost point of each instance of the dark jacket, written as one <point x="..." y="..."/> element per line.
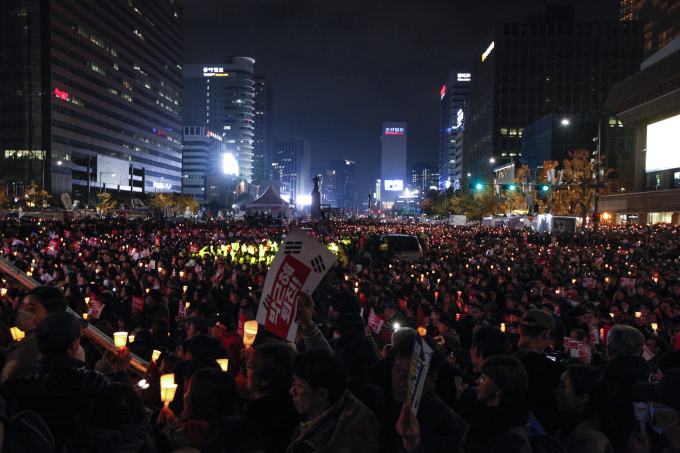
<point x="544" y="377"/>
<point x="126" y="439"/>
<point x="347" y="426"/>
<point x="619" y="376"/>
<point x="58" y="390"/>
<point x="499" y="428"/>
<point x="277" y="419"/>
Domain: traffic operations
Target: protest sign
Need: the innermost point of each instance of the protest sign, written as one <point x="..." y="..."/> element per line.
<point x="182" y="310"/>
<point x="94" y="308"/>
<point x="420" y="364"/>
<point x="299" y="265"/>
<point x="628" y="283"/>
<point x="375" y="322"/>
<point x="138" y="303"/>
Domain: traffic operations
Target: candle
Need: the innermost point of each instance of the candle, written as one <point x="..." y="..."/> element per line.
<point x="156" y="354"/>
<point x="131" y="338"/>
<point x="502" y="327"/>
<point x="637" y="314"/>
<point x="249" y="332"/>
<point x="167" y="380"/>
<point x="654" y="326"/>
<point x="120" y="339"/>
<point x="185" y="288"/>
<point x="422" y="331"/>
<point x="87" y="300"/>
<point x="168" y="393"/>
<point x="84" y="315"/>
<point x="356" y="290"/>
<point x="17" y="334"/>
<point x="224" y="364"/>
<point x="147" y="290"/>
<point x="3" y="292"/>
<point x="181" y="274"/>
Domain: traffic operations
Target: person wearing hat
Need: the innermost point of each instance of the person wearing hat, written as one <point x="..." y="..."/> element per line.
<point x="664" y="408"/>
<point x="535" y="333"/>
<point x="58" y="388"/>
<point x="224" y="327"/>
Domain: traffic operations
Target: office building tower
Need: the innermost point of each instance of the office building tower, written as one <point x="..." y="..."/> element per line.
<point x="329" y="188"/>
<point x="292" y="160"/>
<point x="424" y="177"/>
<point x="662" y="21"/>
<point x="454" y="94"/>
<point x="204" y="153"/>
<point x="344" y="173"/>
<point x="91" y="94"/>
<point x="527" y="70"/>
<point x="393" y="160"/>
<point x="221" y="97"/>
<point x="263" y="132"/>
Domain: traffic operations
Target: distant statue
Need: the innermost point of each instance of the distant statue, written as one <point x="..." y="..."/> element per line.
<point x="316" y="182"/>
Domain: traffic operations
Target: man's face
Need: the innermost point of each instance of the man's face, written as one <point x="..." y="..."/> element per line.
<point x="592" y="320"/>
<point x="476" y="313"/>
<point x="616" y="313"/>
<point x="306" y="400"/>
<point x="191" y="332"/>
<point x="33" y="312"/>
<point x="400" y="373"/>
<point x="567" y="400"/>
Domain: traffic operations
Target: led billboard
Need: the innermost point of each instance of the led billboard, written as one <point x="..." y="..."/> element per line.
<point x="394" y="184"/>
<point x="229" y="164"/>
<point x="663" y="148"/>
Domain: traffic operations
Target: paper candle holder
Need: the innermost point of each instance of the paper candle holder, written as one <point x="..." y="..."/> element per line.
<point x="131" y="338"/>
<point x="120" y="339"/>
<point x="224" y="364"/>
<point x="249" y="332"/>
<point x="156" y="354"/>
<point x="167" y="380"/>
<point x="17" y="334"/>
<point x="168" y="393"/>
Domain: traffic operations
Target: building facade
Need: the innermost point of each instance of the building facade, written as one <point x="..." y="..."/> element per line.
<point x="393" y="160"/>
<point x="222" y="98"/>
<point x="455" y="95"/>
<point x="83" y="79"/>
<point x="264" y="130"/>
<point x="424" y="177"/>
<point x="662" y="21"/>
<point x="344" y="173"/>
<point x="291" y="165"/>
<point x="204" y="153"/>
<point x="526" y="71"/>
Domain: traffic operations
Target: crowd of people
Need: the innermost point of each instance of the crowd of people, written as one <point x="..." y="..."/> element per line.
<point x="541" y="342"/>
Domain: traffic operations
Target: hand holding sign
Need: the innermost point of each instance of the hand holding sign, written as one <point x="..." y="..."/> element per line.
<point x="306" y="310"/>
<point x="408" y="428"/>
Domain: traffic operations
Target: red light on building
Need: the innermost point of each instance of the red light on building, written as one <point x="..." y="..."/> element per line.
<point x="443" y="92"/>
<point x="61" y="94"/>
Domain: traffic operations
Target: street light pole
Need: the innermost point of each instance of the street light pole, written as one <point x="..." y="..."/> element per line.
<point x="596" y="215"/>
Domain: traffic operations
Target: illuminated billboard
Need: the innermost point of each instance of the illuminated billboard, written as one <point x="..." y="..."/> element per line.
<point x="395" y="130"/>
<point x="394" y="184"/>
<point x="663" y="149"/>
<point x="229" y="164"/>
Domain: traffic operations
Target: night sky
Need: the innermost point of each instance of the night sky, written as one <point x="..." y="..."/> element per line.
<point x="339" y="68"/>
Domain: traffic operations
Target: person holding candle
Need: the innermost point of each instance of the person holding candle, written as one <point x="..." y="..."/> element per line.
<point x="224" y="328"/>
<point x="36" y="305"/>
<point x="58" y="388"/>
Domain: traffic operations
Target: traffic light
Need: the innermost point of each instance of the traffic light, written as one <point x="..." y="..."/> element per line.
<point x="596" y="217"/>
<point x="545" y="188"/>
<point x="476" y="186"/>
<point x="512" y="187"/>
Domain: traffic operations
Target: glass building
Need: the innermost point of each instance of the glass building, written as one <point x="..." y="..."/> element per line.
<point x="91" y="94"/>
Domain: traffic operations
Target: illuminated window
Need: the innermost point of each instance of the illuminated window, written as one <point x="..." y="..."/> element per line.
<point x="504" y="131"/>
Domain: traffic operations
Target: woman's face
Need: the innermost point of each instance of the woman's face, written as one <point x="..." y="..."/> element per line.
<point x="487" y="390"/>
<point x="625" y="306"/>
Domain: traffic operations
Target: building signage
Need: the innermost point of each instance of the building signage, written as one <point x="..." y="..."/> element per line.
<point x="443" y="92"/>
<point x="397" y="184"/>
<point x="215" y="71"/>
<point x="211" y="134"/>
<point x="394" y="131"/>
<point x="488" y="51"/>
<point x="61" y="94"/>
<point x="464" y="77"/>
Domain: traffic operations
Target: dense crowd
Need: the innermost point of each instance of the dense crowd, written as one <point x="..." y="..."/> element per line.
<point x="542" y="342"/>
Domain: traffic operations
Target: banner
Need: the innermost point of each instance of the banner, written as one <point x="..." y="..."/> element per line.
<point x="375" y="322"/>
<point x="138" y="303"/>
<point x="182" y="310"/>
<point x="299" y="265"/>
<point x="94" y="308"/>
<point x="193" y="248"/>
<point x="628" y="283"/>
<point x="589" y="283"/>
<point x="93" y="242"/>
<point x="420" y="364"/>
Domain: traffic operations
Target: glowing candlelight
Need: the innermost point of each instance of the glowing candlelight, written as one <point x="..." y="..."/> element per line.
<point x="249" y="332"/>
<point x="168" y="394"/>
<point x="156" y="354"/>
<point x="120" y="339"/>
<point x="17" y="334"/>
<point x="224" y="364"/>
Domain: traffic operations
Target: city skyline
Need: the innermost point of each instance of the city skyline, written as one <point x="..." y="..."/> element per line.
<point x="364" y="66"/>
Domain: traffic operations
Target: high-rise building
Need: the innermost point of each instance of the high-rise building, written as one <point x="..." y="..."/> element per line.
<point x="329" y="188"/>
<point x="264" y="131"/>
<point x="663" y="21"/>
<point x="222" y="98"/>
<point x="204" y="153"/>
<point x="393" y="160"/>
<point x="424" y="177"/>
<point x="292" y="159"/>
<point x="528" y="70"/>
<point x="91" y="94"/>
<point x="454" y="94"/>
<point x="344" y="173"/>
